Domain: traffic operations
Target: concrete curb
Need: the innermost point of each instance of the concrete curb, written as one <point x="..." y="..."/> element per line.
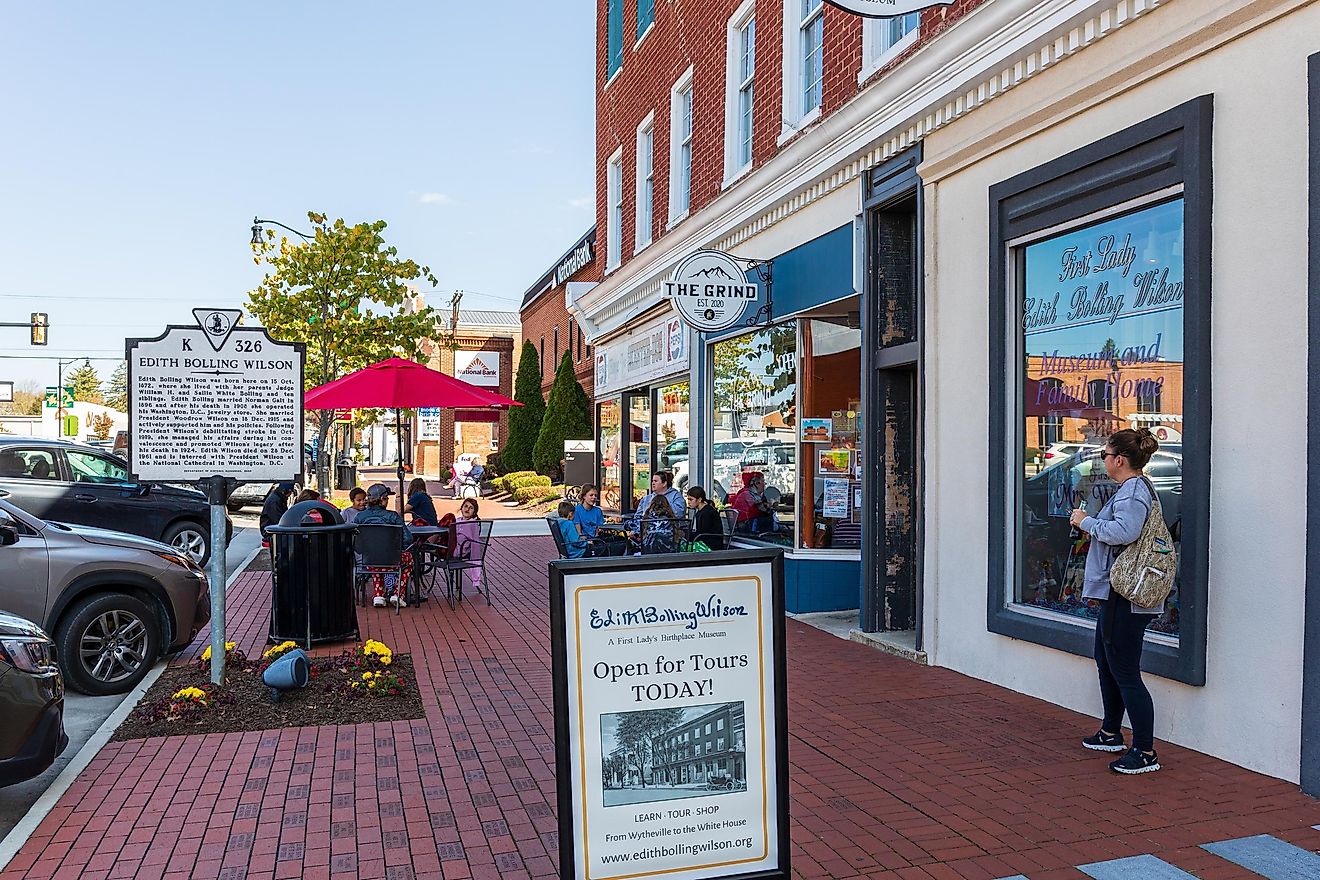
<point x="20" y="833"/>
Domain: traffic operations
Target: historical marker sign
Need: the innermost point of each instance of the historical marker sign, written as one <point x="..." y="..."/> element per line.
<point x="215" y="399"/>
<point x="670" y="716"/>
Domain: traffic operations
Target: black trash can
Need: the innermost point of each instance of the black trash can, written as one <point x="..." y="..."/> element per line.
<point x="312" y="599"/>
<point x="345" y="475"/>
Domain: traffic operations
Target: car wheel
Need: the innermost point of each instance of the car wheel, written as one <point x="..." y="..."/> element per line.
<point x="190" y="539"/>
<point x="107" y="643"/>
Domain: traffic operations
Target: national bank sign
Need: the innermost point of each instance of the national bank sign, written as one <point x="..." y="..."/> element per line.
<point x="885" y="8"/>
<point x="710" y="290"/>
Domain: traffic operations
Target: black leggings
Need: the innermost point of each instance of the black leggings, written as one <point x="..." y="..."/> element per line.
<point x="1119" y="636"/>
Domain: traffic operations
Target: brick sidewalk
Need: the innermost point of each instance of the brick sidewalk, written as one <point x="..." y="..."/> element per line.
<point x="898" y="771"/>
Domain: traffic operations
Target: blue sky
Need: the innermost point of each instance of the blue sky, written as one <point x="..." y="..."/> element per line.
<point x="141" y="138"/>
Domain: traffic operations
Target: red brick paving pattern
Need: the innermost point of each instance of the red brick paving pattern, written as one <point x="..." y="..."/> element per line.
<point x="898" y="771"/>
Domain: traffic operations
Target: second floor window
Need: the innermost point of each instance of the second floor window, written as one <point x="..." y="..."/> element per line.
<point x="645" y="16"/>
<point x="739" y="96"/>
<point x="614" y="211"/>
<point x="645" y="182"/>
<point x="811" y="34"/>
<point x="680" y="176"/>
<point x="614" y="39"/>
<point x="880" y="36"/>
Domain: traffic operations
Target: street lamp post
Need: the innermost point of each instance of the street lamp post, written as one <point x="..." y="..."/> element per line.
<point x="256" y="240"/>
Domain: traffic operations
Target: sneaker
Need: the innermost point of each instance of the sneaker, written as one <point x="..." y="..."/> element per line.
<point x="398" y="600"/>
<point x="1134" y="762"/>
<point x="1104" y="742"/>
<point x="378" y="602"/>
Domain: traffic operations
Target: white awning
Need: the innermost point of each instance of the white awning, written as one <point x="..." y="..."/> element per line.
<point x="1154" y="417"/>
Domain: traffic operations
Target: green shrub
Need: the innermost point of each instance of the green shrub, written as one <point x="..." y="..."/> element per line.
<point x="506" y="483"/>
<point x="535" y="494"/>
<point x="567" y="417"/>
<point x="525" y="420"/>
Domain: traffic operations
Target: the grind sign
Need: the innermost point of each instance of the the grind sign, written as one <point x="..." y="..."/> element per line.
<point x="885" y="8"/>
<point x="710" y="290"/>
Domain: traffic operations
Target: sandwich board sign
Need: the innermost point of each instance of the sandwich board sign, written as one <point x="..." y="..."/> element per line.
<point x="671" y="734"/>
<point x="219" y="404"/>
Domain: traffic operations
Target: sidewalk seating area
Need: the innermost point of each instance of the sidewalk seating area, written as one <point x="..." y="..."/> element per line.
<point x="899" y="772"/>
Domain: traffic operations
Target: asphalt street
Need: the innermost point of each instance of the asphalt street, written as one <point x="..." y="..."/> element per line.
<point x="84" y="715"/>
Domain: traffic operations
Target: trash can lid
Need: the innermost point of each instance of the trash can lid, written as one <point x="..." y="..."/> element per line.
<point x="294" y="519"/>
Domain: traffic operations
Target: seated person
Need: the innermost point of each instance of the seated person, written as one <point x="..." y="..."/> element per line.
<point x="709" y="527"/>
<point x="357" y="502"/>
<point x="420" y="505"/>
<point x="588" y="514"/>
<point x="467" y="537"/>
<point x="273" y="508"/>
<point x="658" y="528"/>
<point x="755" y="514"/>
<point x="575" y="546"/>
<point x="377" y="512"/>
<point x="662" y="486"/>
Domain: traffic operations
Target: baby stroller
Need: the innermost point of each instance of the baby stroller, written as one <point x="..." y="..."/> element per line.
<point x="467" y="474"/>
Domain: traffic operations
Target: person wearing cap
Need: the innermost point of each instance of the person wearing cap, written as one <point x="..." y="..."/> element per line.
<point x="754" y="509"/>
<point x="274" y="507"/>
<point x="378" y="512"/>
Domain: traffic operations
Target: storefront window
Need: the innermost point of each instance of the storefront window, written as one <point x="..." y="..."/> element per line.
<point x="831" y="423"/>
<point x="1102" y="349"/>
<point x="671" y="420"/>
<point x="610" y="440"/>
<point x="755" y="428"/>
<point x="639" y="446"/>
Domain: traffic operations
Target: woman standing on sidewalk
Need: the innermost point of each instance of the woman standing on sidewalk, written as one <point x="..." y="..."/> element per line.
<point x="1121" y="630"/>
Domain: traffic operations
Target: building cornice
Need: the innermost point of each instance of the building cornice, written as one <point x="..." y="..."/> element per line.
<point x="986" y="53"/>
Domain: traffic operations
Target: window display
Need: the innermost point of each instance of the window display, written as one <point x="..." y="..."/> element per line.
<point x="610" y="451"/>
<point x="831" y="388"/>
<point x="639" y="446"/>
<point x="754" y="460"/>
<point x="1101" y="350"/>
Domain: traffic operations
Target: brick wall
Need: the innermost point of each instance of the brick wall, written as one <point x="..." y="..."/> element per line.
<point x="545" y="314"/>
<point x="694" y="33"/>
<point x="435" y="457"/>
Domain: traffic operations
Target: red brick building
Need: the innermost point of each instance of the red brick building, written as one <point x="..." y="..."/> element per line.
<point x="546" y="322"/>
<point x="699" y="50"/>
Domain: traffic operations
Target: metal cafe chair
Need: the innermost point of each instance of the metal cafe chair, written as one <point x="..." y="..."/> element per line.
<point x="728" y="521"/>
<point x="662" y="534"/>
<point x="593" y="545"/>
<point x="469" y="556"/>
<point x="429" y="550"/>
<point x="378" y="549"/>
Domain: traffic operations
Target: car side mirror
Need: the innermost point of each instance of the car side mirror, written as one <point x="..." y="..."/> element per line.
<point x="8" y="535"/>
<point x="140" y="489"/>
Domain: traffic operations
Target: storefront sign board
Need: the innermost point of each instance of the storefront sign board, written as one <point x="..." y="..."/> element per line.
<point x="428" y="423"/>
<point x="480" y="368"/>
<point x="647" y="655"/>
<point x="710" y="290"/>
<point x="215" y="399"/>
<point x="886" y="8"/>
<point x="655" y="350"/>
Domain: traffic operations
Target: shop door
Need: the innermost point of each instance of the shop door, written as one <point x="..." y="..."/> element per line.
<point x="891" y="575"/>
<point x="640" y="446"/>
<point x="609" y="438"/>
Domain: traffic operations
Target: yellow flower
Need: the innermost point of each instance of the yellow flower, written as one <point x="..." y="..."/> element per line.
<point x="229" y="646"/>
<point x="190" y="693"/>
<point x="371" y="684"/>
<point x="386" y="660"/>
<point x="368" y="676"/>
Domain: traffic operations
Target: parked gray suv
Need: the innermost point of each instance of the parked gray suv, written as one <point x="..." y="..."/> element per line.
<point x="113" y="602"/>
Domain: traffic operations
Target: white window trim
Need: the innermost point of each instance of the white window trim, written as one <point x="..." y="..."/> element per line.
<point x="732" y="59"/>
<point x="683" y="83"/>
<point x="613" y="196"/>
<point x="646" y="33"/>
<point x="794" y="120"/>
<point x="643" y="236"/>
<point x="869" y="28"/>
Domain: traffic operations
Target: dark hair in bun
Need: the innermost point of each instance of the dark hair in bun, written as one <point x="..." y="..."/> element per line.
<point x="1137" y="446"/>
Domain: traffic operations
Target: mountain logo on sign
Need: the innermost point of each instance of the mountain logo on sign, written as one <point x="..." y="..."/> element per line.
<point x="715" y="271"/>
<point x="217" y="324"/>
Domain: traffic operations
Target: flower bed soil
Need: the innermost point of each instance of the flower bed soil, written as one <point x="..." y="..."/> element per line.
<point x="244" y="702"/>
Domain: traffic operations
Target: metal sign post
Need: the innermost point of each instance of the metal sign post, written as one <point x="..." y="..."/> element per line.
<point x="216" y="404"/>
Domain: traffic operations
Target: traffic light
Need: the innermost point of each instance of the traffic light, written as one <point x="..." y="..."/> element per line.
<point x="40" y="321"/>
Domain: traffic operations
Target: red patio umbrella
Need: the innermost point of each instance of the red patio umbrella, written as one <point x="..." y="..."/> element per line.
<point x="400" y="384"/>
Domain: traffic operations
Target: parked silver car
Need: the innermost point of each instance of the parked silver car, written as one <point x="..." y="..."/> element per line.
<point x="114" y="603"/>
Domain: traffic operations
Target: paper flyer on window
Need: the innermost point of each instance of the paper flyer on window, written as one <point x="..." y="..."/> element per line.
<point x="671" y="684"/>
